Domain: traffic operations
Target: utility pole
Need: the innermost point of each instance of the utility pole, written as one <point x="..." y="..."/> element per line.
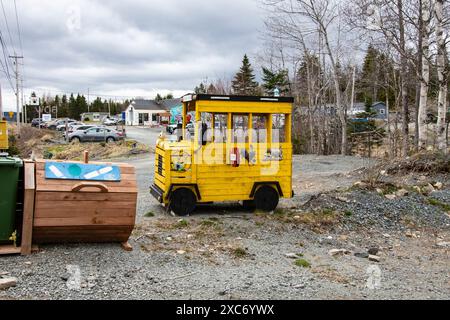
<point x="16" y="61"/>
<point x="89" y="100"/>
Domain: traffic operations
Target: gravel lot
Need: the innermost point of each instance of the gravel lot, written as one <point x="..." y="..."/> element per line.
<point x="223" y="252"/>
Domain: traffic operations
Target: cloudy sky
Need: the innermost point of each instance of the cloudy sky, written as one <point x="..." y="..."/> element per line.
<point x="128" y="48"/>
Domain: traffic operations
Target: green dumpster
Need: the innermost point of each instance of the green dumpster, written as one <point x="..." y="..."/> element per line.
<point x="9" y="183"/>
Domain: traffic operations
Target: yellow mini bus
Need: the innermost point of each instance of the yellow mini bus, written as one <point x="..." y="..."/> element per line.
<point x="227" y="148"/>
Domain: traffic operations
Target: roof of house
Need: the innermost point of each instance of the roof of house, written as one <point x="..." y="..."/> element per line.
<point x="151" y="105"/>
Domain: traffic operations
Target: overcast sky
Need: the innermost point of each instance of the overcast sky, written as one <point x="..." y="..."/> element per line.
<point x="129" y="48"/>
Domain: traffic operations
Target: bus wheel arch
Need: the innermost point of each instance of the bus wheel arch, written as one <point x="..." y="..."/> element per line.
<point x="266" y="196"/>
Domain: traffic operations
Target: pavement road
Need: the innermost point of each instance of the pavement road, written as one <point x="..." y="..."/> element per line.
<point x="147" y="136"/>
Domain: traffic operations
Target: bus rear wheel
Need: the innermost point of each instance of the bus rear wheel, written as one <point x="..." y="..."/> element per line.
<point x="266" y="199"/>
<point x="183" y="202"/>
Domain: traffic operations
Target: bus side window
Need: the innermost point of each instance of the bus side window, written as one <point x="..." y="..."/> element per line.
<point x="259" y="128"/>
<point x="206" y="128"/>
<point x="278" y="128"/>
<point x="240" y="128"/>
<point x="220" y="128"/>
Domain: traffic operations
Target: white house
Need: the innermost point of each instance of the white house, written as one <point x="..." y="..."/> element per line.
<point x="145" y="113"/>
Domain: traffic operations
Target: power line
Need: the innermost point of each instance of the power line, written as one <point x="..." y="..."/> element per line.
<point x="7" y="27"/>
<point x="18" y="27"/>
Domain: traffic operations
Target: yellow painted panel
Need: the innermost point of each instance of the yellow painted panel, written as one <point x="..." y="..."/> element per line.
<point x="3" y="135"/>
<point x="244" y="107"/>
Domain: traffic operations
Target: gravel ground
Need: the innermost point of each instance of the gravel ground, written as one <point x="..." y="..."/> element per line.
<point x="223" y="252"/>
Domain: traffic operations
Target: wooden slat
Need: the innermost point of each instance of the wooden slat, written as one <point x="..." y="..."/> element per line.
<point x="28" y="211"/>
<point x="52" y="187"/>
<point x="94" y="234"/>
<point x="83" y="221"/>
<point x="70" y="210"/>
<point x="98" y="197"/>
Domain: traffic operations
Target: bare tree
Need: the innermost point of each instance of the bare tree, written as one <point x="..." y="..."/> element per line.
<point x="425" y="78"/>
<point x="442" y="75"/>
<point x="298" y="20"/>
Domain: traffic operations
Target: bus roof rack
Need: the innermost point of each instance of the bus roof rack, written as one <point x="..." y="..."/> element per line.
<point x="209" y="97"/>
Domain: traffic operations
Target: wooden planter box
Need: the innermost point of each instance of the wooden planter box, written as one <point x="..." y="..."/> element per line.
<point x="68" y="211"/>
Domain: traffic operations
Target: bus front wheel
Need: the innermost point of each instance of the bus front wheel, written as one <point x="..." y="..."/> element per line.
<point x="183" y="202"/>
<point x="266" y="199"/>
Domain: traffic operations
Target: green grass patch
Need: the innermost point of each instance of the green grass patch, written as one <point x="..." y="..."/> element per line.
<point x="348" y="213"/>
<point x="239" y="252"/>
<point x="302" y="263"/>
<point x="149" y="214"/>
<point x="182" y="224"/>
<point x="444" y="206"/>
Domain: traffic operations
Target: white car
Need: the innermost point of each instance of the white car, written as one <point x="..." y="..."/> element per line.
<point x="109" y="122"/>
<point x="62" y="127"/>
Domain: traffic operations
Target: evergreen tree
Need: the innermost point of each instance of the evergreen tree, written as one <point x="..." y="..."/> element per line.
<point x="97" y="105"/>
<point x="200" y="89"/>
<point x="244" y="81"/>
<point x="158" y="97"/>
<point x="211" y="89"/>
<point x="273" y="80"/>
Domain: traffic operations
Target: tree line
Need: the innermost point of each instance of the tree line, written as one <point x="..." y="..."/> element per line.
<point x="72" y="106"/>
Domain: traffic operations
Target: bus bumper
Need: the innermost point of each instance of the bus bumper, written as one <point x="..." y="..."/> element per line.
<point x="157" y="193"/>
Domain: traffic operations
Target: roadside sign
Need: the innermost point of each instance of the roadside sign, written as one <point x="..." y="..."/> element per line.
<point x="46" y="117"/>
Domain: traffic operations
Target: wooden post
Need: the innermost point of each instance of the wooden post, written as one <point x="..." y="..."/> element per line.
<point x="28" y="211"/>
<point x="86" y="157"/>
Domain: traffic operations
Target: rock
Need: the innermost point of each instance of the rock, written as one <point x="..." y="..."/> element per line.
<point x="28" y="263"/>
<point x="402" y="193"/>
<point x="296" y="217"/>
<point x="362" y="255"/>
<point x="443" y="244"/>
<point x="373" y="251"/>
<point x="336" y="252"/>
<point x="169" y="239"/>
<point x="343" y="199"/>
<point x="379" y="191"/>
<point x="386" y="235"/>
<point x="439" y="185"/>
<point x="291" y="255"/>
<point x="417" y="189"/>
<point x="374" y="258"/>
<point x="390" y="196"/>
<point x="360" y="184"/>
<point x="299" y="286"/>
<point x="422" y="178"/>
<point x="181" y="252"/>
<point x="409" y="234"/>
<point x="6" y="283"/>
<point x="428" y="189"/>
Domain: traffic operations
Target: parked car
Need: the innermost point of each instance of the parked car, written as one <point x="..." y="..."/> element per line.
<point x="53" y="125"/>
<point x="173" y="127"/>
<point x="96" y="134"/>
<point x="110" y="121"/>
<point x="35" y="122"/>
<point x="75" y="128"/>
<point x="62" y="127"/>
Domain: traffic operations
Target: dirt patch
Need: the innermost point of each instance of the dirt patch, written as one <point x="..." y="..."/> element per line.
<point x="97" y="151"/>
<point x="423" y="162"/>
<point x="49" y="144"/>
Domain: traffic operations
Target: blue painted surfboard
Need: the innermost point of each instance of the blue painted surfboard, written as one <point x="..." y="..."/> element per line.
<point x="78" y="171"/>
